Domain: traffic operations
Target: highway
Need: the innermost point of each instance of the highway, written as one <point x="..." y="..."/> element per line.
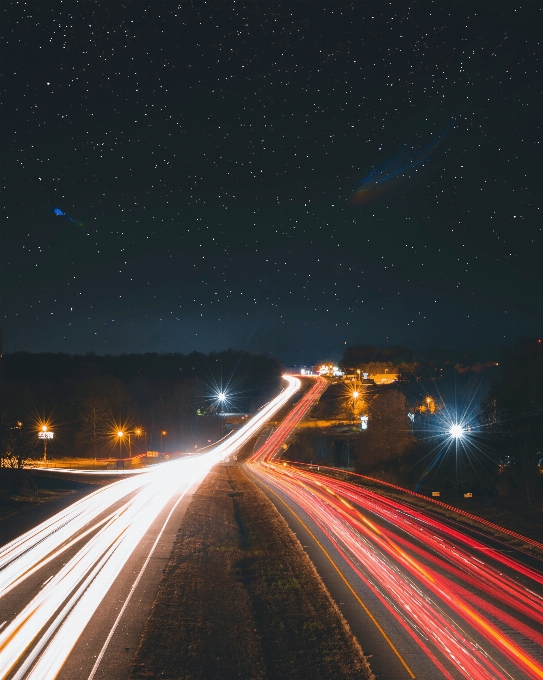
<point x="429" y="598"/>
<point x="67" y="585"/>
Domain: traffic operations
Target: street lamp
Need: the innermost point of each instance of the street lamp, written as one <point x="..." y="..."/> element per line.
<point x="456" y="431"/>
<point x="120" y="435"/>
<point x="139" y="433"/>
<point x="45" y="434"/>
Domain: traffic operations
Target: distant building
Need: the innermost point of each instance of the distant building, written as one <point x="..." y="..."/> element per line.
<point x="330" y="371"/>
<point x="372" y="379"/>
<point x="384" y="378"/>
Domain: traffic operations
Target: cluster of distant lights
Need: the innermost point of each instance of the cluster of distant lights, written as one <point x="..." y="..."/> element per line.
<point x="330" y="369"/>
<point x="454" y="431"/>
<point x="324" y="370"/>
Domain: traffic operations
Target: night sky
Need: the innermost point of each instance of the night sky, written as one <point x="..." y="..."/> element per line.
<point x="283" y="177"/>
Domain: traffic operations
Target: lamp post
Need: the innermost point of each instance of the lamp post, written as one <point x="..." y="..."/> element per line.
<point x="44" y="430"/>
<point x="356" y="394"/>
<point x="138" y="432"/>
<point x="18" y="427"/>
<point x="428" y="402"/>
<point x="45" y="434"/>
<point x="221" y="398"/>
<point x="120" y="434"/>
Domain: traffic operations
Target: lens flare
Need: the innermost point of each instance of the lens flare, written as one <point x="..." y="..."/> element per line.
<point x="398" y="166"/>
<point x="456" y="431"/>
<point x="60" y="213"/>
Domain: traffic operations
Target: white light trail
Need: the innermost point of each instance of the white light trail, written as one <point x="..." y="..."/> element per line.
<point x="52" y="622"/>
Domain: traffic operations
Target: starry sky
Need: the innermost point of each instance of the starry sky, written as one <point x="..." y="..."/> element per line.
<point x="285" y="177"/>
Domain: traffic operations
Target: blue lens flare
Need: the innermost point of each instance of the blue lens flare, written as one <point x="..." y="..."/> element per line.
<point x="407" y="159"/>
<point x="61" y="213"/>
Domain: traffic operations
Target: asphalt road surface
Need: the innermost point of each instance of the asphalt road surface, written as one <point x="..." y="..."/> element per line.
<point x="426" y="598"/>
<point x="76" y="589"/>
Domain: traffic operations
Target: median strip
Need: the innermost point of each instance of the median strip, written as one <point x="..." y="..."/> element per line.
<point x="240" y="598"/>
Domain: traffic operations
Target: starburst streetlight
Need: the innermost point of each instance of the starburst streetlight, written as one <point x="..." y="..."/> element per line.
<point x="139" y="433"/>
<point x="456" y="431"/>
<point x="45" y="433"/>
<point x="120" y="435"/>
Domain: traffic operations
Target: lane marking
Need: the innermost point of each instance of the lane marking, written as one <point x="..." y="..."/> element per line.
<point x="134" y="586"/>
<point x="360" y="602"/>
<point x="138" y="578"/>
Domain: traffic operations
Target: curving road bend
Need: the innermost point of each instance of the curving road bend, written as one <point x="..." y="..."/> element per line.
<point x="56" y="579"/>
<point x="446" y="603"/>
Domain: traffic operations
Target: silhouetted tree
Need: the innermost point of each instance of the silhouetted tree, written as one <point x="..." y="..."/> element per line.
<point x="100" y="403"/>
<point x="354" y="357"/>
<point x="516" y="404"/>
<point x="388" y="436"/>
<point x="20" y="442"/>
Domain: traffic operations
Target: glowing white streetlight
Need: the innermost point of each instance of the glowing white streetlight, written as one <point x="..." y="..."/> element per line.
<point x="221" y="396"/>
<point x="456" y="431"/>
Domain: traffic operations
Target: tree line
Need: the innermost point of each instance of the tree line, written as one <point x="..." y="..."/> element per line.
<point x="165" y="402"/>
<point x="496" y="402"/>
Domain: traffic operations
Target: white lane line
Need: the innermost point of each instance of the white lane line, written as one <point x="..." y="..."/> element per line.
<point x="92" y="593"/>
<point x="293" y="388"/>
<point x="133" y="588"/>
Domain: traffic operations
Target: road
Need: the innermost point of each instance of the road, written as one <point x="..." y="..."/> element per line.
<point x="76" y="589"/>
<point x="426" y="598"/>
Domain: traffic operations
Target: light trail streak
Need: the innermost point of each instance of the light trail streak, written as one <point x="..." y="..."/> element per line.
<point x="471" y="610"/>
<point x="464" y="513"/>
<point x="38" y="640"/>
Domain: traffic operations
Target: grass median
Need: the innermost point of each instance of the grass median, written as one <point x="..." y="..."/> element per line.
<point x="241" y="599"/>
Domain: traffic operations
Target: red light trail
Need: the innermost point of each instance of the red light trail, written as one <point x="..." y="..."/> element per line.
<point x="475" y="612"/>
